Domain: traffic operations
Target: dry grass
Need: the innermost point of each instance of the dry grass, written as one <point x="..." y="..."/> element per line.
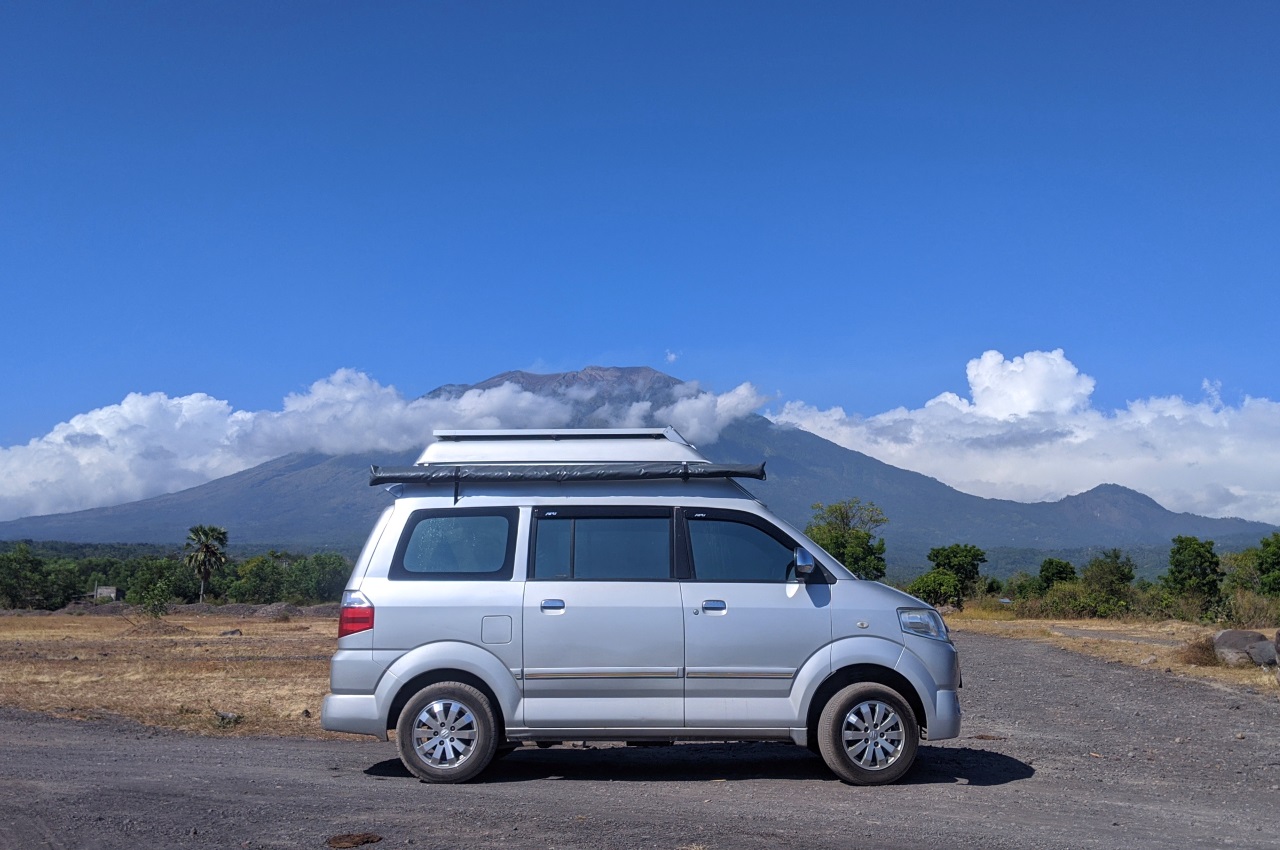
<point x="178" y="673"/>
<point x="181" y="672"/>
<point x="1172" y="645"/>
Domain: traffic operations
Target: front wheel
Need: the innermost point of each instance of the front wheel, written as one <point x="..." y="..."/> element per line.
<point x="446" y="733"/>
<point x="868" y="735"/>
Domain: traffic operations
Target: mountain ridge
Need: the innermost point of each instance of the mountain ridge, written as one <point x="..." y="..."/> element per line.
<point x="310" y="500"/>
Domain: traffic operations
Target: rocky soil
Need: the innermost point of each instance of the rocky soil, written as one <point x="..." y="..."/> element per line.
<point x="1058" y="751"/>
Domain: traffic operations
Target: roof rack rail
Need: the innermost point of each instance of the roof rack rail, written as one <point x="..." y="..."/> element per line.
<point x="490" y="473"/>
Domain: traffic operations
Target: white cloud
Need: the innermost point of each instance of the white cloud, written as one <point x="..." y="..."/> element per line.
<point x="1026" y="431"/>
<point x="1029" y="432"/>
<point x="701" y="416"/>
<point x="152" y="444"/>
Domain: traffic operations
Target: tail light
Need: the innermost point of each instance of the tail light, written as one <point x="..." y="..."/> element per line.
<point x="356" y="614"/>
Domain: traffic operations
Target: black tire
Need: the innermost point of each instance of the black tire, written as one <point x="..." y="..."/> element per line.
<point x="868" y="734"/>
<point x="446" y="733"/>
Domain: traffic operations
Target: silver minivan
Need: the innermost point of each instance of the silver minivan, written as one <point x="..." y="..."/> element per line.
<point x="580" y="585"/>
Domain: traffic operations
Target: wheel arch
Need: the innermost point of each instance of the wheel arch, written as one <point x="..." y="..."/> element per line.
<point x="434" y="677"/>
<point x="854" y="673"/>
<point x="448" y="661"/>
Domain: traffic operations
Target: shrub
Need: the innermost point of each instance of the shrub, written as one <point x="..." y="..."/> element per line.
<point x="1023" y="586"/>
<point x="155" y="599"/>
<point x="1245" y="609"/>
<point x="1199" y="652"/>
<point x="1075" y="599"/>
<point x="938" y="587"/>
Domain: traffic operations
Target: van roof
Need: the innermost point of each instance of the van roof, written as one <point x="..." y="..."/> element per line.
<point x="559" y="446"/>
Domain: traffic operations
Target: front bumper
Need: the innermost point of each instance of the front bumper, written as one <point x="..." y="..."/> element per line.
<point x="946" y="718"/>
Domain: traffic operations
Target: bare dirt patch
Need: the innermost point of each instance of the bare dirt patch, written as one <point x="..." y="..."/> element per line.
<point x="192" y="671"/>
<point x="179" y="672"/>
<point x="1170" y="645"/>
<point x="1058" y="751"/>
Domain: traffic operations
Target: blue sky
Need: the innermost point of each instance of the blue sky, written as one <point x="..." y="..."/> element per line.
<point x="842" y="204"/>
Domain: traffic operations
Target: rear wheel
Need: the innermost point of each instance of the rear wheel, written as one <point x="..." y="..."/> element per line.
<point x="868" y="735"/>
<point x="446" y="733"/>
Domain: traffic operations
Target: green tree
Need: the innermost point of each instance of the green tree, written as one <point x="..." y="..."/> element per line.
<point x="1240" y="570"/>
<point x="846" y="530"/>
<point x="1194" y="569"/>
<point x="140" y="576"/>
<point x="1054" y="570"/>
<point x="962" y="560"/>
<point x="259" y="580"/>
<point x="1269" y="565"/>
<point x="1023" y="585"/>
<point x="937" y="587"/>
<point x="20" y="577"/>
<point x="59" y="584"/>
<point x="316" y="578"/>
<point x="1106" y="583"/>
<point x="206" y="551"/>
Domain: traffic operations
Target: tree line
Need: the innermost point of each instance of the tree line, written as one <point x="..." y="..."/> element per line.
<point x="201" y="571"/>
<point x="1199" y="584"/>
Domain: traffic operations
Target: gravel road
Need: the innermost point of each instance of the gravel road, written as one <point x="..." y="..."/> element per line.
<point x="1058" y="751"/>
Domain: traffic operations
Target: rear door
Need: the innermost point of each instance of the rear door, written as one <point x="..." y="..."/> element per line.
<point x="603" y="626"/>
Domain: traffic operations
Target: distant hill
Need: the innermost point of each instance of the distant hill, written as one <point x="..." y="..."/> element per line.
<point x="306" y="502"/>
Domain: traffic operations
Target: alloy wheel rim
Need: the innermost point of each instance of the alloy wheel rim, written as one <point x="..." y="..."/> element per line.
<point x="873" y="735"/>
<point x="444" y="733"/>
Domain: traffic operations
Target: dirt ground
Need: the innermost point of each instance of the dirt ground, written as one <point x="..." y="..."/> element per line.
<point x="1059" y="750"/>
<point x="221" y="675"/>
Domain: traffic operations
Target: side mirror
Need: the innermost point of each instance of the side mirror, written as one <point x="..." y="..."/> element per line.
<point x="804" y="563"/>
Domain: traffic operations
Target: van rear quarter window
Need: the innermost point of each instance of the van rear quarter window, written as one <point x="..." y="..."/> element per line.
<point x="457" y="544"/>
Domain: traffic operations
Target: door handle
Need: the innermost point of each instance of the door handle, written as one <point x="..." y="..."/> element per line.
<point x="552" y="605"/>
<point x="714" y="605"/>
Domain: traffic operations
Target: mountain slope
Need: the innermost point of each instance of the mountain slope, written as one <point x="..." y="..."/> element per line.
<point x="312" y="501"/>
<point x="305" y="501"/>
<point x="923" y="512"/>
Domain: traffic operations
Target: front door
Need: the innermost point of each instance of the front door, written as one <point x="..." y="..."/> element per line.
<point x="749" y="624"/>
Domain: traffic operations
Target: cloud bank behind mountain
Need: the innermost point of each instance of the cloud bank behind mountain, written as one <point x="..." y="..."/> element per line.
<point x="150" y="444"/>
<point x="1027" y="430"/>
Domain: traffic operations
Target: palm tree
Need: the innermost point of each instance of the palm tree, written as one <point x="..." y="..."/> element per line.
<point x="205" y="551"/>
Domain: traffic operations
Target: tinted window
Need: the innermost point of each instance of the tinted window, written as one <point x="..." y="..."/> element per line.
<point x="724" y="550"/>
<point x="554" y="550"/>
<point x="603" y="548"/>
<point x="457" y="545"/>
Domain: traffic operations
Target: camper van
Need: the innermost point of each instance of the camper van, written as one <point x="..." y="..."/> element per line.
<point x="615" y="585"/>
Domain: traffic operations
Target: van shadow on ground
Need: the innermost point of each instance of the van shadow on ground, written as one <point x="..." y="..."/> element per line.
<point x="696" y="762"/>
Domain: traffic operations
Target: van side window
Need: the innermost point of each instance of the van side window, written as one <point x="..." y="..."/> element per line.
<point x="726" y="549"/>
<point x="584" y="547"/>
<point x="457" y="545"/>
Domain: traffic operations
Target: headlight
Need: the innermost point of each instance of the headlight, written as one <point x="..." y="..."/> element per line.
<point x="925" y="622"/>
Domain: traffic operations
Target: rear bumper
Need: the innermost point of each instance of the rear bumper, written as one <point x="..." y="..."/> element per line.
<point x="355" y="713"/>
